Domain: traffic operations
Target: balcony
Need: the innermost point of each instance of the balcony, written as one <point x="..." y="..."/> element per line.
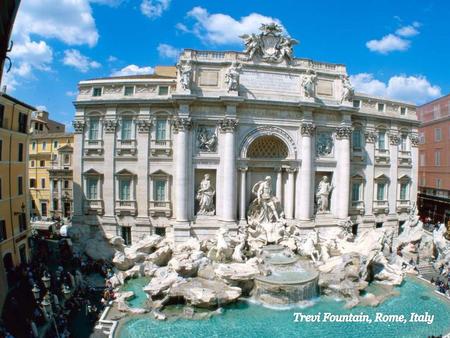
<point x="404" y="157"/>
<point x="123" y="208"/>
<point x="380" y="207"/>
<point x="93" y="148"/>
<point x="403" y="205"/>
<point x="160" y="208"/>
<point x="357" y="207"/>
<point x="161" y="147"/>
<point x="94" y="207"/>
<point x="382" y="156"/>
<point x="126" y="148"/>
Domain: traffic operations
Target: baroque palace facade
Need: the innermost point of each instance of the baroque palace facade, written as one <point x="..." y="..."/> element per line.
<point x="190" y="148"/>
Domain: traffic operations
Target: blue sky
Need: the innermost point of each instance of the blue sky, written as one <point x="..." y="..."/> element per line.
<point x="398" y="49"/>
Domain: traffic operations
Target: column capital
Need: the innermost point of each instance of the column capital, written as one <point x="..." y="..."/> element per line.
<point x="181" y="123"/>
<point x="370" y="136"/>
<point x="278" y="169"/>
<point x="307" y="128"/>
<point x="78" y="126"/>
<point x="228" y="124"/>
<point x="394" y="139"/>
<point x="110" y="125"/>
<point x="291" y="170"/>
<point x="243" y="169"/>
<point x="144" y="125"/>
<point x="415" y="140"/>
<point x="343" y="132"/>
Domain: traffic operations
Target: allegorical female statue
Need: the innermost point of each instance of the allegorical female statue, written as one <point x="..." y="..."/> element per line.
<point x="323" y="194"/>
<point x="205" y="197"/>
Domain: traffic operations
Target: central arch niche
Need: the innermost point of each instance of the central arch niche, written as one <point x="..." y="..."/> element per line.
<point x="268" y="146"/>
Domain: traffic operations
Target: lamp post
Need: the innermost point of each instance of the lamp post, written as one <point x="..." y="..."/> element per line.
<point x="36" y="292"/>
<point x="47" y="307"/>
<point x="46" y="280"/>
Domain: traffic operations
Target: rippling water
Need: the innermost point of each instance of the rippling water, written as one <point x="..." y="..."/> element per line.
<point x="245" y="319"/>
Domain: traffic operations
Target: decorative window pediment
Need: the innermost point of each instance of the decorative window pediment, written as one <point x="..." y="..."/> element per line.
<point x="382" y="178"/>
<point x="404" y="179"/>
<point x="125" y="172"/>
<point x="92" y="172"/>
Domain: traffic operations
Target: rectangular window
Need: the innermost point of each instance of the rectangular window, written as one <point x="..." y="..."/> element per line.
<point x="20" y="155"/>
<point x="161" y="130"/>
<point x="380" y="107"/>
<point x="42" y="163"/>
<point x="126" y="129"/>
<point x="55" y="204"/>
<point x="32" y="164"/>
<point x="20" y="185"/>
<point x="403" y="191"/>
<point x="22" y="222"/>
<point x="437" y="157"/>
<point x="33" y="145"/>
<point x="32" y="183"/>
<point x="55" y="184"/>
<point x="33" y="204"/>
<point x="2" y="112"/>
<point x="42" y="182"/>
<point x="160" y="190"/>
<point x="382" y="140"/>
<point x="404" y="143"/>
<point x="94" y="123"/>
<point x="356" y="103"/>
<point x="356" y="139"/>
<point x="92" y="193"/>
<point x="23" y="120"/>
<point x="1" y="149"/>
<point x="380" y="191"/>
<point x="66" y="159"/>
<point x="163" y="90"/>
<point x="129" y="91"/>
<point x="438" y="183"/>
<point x="66" y="184"/>
<point x="356" y="192"/>
<point x="44" y="145"/>
<point x="44" y="209"/>
<point x="402" y="110"/>
<point x="437" y="134"/>
<point x="125" y="189"/>
<point x="1" y="189"/>
<point x="422" y="159"/>
<point x="2" y="230"/>
<point x="422" y="137"/>
<point x="97" y="91"/>
<point x="55" y="144"/>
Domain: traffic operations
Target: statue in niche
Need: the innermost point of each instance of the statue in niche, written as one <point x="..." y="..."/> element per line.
<point x="207" y="140"/>
<point x="308" y="83"/>
<point x="232" y="76"/>
<point x="205" y="197"/>
<point x="347" y="89"/>
<point x="185" y="74"/>
<point x="265" y="215"/>
<point x="323" y="195"/>
<point x="324" y="144"/>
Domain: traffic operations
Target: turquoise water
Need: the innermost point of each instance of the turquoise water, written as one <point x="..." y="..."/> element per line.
<point x="136" y="285"/>
<point x="245" y="319"/>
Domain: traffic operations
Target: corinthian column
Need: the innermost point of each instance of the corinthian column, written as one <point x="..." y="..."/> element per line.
<point x="305" y="203"/>
<point x="289" y="202"/>
<point x="182" y="128"/>
<point x="227" y="127"/>
<point x="393" y="171"/>
<point x="279" y="185"/>
<point x="243" y="197"/>
<point x="343" y="163"/>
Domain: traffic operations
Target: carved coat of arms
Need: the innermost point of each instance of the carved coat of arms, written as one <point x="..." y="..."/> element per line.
<point x="270" y="45"/>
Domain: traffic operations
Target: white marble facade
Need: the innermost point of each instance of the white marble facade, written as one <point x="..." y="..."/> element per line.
<point x="144" y="144"/>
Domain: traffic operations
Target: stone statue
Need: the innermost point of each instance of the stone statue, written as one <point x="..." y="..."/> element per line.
<point x="205" y="197"/>
<point x="308" y="83"/>
<point x="306" y="245"/>
<point x="323" y="193"/>
<point x="270" y="45"/>
<point x="265" y="215"/>
<point x="232" y="76"/>
<point x="207" y="140"/>
<point x="347" y="89"/>
<point x="185" y="74"/>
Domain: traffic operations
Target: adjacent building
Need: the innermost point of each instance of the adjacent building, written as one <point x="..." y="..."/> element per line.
<point x="15" y="119"/>
<point x="50" y="168"/>
<point x="183" y="150"/>
<point x="434" y="160"/>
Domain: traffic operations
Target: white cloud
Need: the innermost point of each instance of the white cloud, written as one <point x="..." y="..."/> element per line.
<point x="407" y="31"/>
<point x="112" y="58"/>
<point x="111" y="3"/>
<point x="133" y="70"/>
<point x="387" y="44"/>
<point x="74" y="58"/>
<point x="168" y="51"/>
<point x="415" y="89"/>
<point x="71" y="93"/>
<point x="221" y="28"/>
<point x="154" y="8"/>
<point x="41" y="107"/>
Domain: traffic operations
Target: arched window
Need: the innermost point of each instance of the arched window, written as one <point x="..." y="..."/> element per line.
<point x="268" y="147"/>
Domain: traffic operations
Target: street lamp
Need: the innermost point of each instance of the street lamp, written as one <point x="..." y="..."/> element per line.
<point x="36" y="292"/>
<point x="66" y="291"/>
<point x="47" y="305"/>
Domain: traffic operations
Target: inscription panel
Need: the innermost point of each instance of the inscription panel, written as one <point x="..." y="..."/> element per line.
<point x="208" y="78"/>
<point x="270" y="81"/>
